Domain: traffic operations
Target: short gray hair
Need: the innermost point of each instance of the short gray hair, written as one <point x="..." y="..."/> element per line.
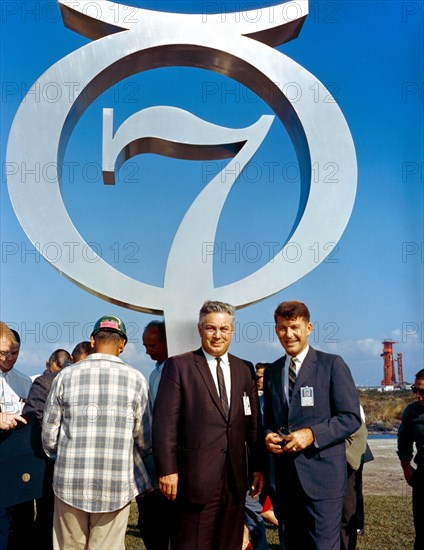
<point x="217" y="307"/>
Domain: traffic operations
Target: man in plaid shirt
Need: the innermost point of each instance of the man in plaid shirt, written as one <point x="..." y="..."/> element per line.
<point x="97" y="428"/>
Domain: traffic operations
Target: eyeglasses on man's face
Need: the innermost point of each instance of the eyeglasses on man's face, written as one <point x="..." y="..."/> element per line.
<point x="419" y="391"/>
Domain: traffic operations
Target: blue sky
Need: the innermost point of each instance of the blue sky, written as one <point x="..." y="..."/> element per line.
<point x="370" y="55"/>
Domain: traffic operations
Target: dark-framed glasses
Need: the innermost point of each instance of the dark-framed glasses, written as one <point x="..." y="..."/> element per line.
<point x="420" y="391"/>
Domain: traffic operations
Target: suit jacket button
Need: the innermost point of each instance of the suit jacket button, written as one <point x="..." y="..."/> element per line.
<point x="223" y="451"/>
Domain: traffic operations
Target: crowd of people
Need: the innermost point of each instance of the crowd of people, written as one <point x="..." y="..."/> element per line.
<point x="208" y="447"/>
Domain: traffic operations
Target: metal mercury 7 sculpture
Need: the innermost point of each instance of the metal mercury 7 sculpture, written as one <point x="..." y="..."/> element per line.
<point x="241" y="48"/>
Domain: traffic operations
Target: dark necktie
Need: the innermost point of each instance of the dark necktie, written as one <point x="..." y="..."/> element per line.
<point x="221" y="387"/>
<point x="292" y="376"/>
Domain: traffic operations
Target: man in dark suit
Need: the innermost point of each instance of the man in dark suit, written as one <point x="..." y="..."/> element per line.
<point x="206" y="414"/>
<point x="310" y="407"/>
<point x="154" y="510"/>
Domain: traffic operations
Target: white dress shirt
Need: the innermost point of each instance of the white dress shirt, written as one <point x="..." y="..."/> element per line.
<point x="14" y="389"/>
<point x="225" y="365"/>
<point x="298" y="361"/>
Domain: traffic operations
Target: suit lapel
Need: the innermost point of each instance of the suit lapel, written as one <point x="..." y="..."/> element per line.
<point x="204" y="371"/>
<point x="278" y="395"/>
<point x="236" y="384"/>
<point x="304" y="374"/>
<point x="301" y="380"/>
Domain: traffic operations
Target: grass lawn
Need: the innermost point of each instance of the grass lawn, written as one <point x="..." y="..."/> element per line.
<point x="388" y="526"/>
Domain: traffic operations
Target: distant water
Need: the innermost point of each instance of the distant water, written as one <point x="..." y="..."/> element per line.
<point x="382" y="436"/>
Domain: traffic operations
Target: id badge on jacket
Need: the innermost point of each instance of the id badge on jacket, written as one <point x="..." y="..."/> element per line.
<point x="307" y="396"/>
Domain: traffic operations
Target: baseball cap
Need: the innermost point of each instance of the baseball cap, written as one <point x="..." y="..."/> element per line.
<point x="110" y="323"/>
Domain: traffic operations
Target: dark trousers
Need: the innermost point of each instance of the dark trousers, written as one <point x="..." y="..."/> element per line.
<point x="22" y="533"/>
<point x="348" y="528"/>
<point x="29" y="531"/>
<point x="34" y="531"/>
<point x="307" y="524"/>
<point x="154" y="520"/>
<point x="44" y="521"/>
<point x="360" y="507"/>
<point x="418" y="507"/>
<point x="216" y="525"/>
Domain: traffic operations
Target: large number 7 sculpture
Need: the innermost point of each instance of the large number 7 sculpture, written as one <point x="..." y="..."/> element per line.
<point x="128" y="40"/>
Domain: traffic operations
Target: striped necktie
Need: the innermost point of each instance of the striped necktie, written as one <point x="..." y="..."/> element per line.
<point x="221" y="387"/>
<point x="292" y="376"/>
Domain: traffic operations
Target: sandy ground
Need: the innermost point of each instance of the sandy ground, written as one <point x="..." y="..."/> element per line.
<point x="383" y="475"/>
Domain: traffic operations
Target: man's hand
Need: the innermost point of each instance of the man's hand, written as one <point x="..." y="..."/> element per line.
<point x="168" y="485"/>
<point x="408" y="472"/>
<point x="299" y="440"/>
<point x="293" y="443"/>
<point x="258" y="484"/>
<point x="9" y="421"/>
<point x="273" y="443"/>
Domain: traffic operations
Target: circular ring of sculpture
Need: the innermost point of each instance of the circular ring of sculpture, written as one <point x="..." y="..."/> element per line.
<point x="319" y="133"/>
